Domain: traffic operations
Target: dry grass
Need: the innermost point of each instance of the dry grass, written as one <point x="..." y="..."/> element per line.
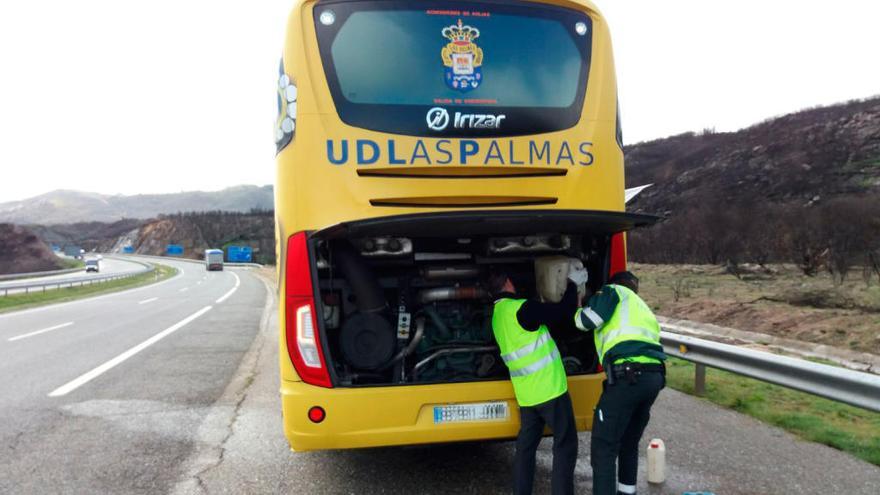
<point x="782" y="302"/>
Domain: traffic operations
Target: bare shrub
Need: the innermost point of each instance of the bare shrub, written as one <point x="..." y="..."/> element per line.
<point x="681" y="287"/>
<point x="872" y="267"/>
<point x="832" y="235"/>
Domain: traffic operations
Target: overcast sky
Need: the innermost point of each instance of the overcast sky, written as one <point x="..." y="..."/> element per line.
<point x="171" y="95"/>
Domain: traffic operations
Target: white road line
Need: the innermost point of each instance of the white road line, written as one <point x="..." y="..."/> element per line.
<point x="231" y="291"/>
<point x="38" y="332"/>
<point x="91" y="375"/>
<point x="184" y="289"/>
<point x="145" y="301"/>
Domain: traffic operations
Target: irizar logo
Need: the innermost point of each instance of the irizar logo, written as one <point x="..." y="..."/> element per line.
<point x="477" y="121"/>
<point x="438" y="120"/>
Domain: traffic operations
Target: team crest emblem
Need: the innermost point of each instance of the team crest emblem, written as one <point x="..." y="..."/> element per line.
<point x="462" y="57"/>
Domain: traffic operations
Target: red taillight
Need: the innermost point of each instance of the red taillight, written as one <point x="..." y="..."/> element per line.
<point x="302" y="331"/>
<point x="618" y="254"/>
<point x="317" y="414"/>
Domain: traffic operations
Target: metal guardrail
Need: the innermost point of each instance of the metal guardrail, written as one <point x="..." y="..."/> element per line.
<point x="70" y="282"/>
<point x="839" y="384"/>
<point x="187" y="260"/>
<point x="14" y="276"/>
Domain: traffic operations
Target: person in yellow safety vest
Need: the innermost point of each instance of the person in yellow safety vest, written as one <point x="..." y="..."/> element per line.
<point x="538" y="378"/>
<point x="627" y="338"/>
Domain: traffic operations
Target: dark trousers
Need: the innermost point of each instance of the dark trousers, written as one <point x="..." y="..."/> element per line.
<point x="618" y="423"/>
<point x="559" y="416"/>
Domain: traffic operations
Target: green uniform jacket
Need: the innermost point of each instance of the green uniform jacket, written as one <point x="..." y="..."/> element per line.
<point x="624" y="328"/>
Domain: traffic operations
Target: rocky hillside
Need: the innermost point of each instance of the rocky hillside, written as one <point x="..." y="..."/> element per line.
<point x="64" y="207"/>
<point x="199" y="231"/>
<point x="21" y="251"/>
<point x="801" y="158"/>
<point x="91" y="236"/>
<point x="803" y="188"/>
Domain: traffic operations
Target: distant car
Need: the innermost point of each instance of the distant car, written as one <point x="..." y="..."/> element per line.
<point x="93" y="266"/>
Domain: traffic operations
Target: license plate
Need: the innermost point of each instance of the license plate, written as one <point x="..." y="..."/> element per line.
<point x="462" y="413"/>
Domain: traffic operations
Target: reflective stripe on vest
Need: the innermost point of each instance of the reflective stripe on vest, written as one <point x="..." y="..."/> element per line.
<point x="526" y="349"/>
<point x="538" y="366"/>
<point x="624" y="326"/>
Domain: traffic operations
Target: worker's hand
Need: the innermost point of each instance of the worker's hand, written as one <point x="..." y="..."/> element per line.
<point x="578" y="277"/>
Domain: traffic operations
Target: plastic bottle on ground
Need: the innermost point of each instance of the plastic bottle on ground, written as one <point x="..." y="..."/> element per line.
<point x="656" y="461"/>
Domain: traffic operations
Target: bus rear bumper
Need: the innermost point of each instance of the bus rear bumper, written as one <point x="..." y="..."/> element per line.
<point x="404" y="415"/>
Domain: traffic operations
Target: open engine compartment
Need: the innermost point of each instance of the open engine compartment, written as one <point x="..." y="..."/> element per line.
<point x="413" y="310"/>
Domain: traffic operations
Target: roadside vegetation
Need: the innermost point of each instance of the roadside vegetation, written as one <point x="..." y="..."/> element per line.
<point x="14" y="302"/>
<point x="783" y="301"/>
<point x="850" y="429"/>
<point x="775" y="299"/>
<point x="68" y="263"/>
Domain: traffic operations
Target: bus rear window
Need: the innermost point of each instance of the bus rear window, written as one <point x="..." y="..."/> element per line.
<point x="389" y="63"/>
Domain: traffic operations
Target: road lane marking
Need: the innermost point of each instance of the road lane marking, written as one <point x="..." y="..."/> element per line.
<point x="209" y="444"/>
<point x="231" y="291"/>
<point x="91" y="375"/>
<point x="145" y="301"/>
<point x="38" y="332"/>
<point x="184" y="289"/>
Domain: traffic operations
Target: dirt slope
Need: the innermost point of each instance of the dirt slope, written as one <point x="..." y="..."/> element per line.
<point x="21" y="251"/>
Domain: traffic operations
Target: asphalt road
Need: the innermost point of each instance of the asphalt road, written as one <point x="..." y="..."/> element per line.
<point x="241" y="449"/>
<point x="159" y="360"/>
<point x="109" y="266"/>
<point x="197" y="411"/>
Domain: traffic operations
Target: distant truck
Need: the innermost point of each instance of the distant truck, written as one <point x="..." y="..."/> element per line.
<point x="213" y="259"/>
<point x="74" y="252"/>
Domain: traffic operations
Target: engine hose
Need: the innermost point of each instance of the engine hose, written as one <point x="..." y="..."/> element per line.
<point x="450" y="272"/>
<point x="406" y="351"/>
<point x="451" y="293"/>
<point x="444" y="352"/>
<point x="438" y="322"/>
<point x="464" y="344"/>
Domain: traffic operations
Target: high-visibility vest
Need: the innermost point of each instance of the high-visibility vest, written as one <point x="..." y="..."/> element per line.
<point x="535" y="366"/>
<point x="632" y="321"/>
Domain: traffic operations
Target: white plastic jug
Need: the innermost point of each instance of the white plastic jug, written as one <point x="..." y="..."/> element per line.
<point x="656" y="461"/>
<point x="551" y="276"/>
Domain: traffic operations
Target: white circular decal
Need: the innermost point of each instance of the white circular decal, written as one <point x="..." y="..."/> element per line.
<point x="437" y="119"/>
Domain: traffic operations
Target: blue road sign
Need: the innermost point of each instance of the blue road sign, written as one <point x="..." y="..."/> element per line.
<point x="174" y="250"/>
<point x="239" y="254"/>
<point x="128" y="249"/>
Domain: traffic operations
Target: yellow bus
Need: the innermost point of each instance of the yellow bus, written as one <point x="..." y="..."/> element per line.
<point x="420" y="144"/>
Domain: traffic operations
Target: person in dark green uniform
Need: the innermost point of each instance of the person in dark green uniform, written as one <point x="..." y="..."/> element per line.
<point x="627" y="338"/>
<point x="538" y="378"/>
